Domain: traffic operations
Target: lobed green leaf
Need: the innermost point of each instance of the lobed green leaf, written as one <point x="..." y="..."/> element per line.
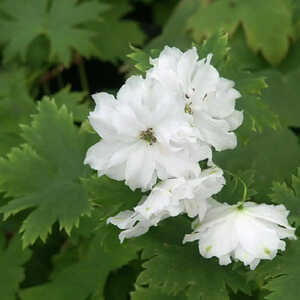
<point x="45" y="173"/>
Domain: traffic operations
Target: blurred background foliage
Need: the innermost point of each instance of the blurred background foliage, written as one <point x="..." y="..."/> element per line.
<point x="69" y="49"/>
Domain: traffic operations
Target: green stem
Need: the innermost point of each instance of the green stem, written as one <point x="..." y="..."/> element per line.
<point x="82" y="75"/>
<point x="242" y="182"/>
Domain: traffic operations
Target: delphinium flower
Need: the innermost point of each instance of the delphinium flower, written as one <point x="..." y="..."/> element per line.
<point x="170" y="198"/>
<point x="208" y="98"/>
<point x="144" y="136"/>
<point x="246" y="231"/>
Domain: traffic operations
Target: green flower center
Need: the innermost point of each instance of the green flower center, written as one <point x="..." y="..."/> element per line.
<point x="148" y="136"/>
<point x="240" y="206"/>
<point x="188" y="108"/>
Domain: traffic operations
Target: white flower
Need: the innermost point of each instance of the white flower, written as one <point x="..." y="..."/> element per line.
<point x="145" y="135"/>
<point x="247" y="232"/>
<point x="133" y="223"/>
<point x="180" y="195"/>
<point x="170" y="198"/>
<point x="209" y="98"/>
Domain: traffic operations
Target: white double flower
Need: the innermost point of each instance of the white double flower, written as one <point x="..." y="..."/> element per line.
<point x="247" y="232"/>
<point x="170" y="198"/>
<point x="209" y="98"/>
<point x="145" y="136"/>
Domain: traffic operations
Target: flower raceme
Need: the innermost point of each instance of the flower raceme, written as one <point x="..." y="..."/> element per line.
<point x="159" y="128"/>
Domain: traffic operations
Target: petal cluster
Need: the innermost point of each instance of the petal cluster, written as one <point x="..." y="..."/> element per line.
<point x="247" y="232"/>
<point x="144" y="136"/>
<point x="209" y="98"/>
<point x="154" y="134"/>
<point x="170" y="198"/>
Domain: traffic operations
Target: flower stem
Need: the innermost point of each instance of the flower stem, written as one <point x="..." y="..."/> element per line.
<point x="242" y="182"/>
<point x="82" y="74"/>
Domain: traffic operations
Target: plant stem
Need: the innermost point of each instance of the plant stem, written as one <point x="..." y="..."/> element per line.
<point x="82" y="74"/>
<point x="242" y="182"/>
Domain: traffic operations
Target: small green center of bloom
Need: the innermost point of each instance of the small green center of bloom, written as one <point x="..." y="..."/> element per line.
<point x="188" y="108"/>
<point x="240" y="206"/>
<point x="148" y="136"/>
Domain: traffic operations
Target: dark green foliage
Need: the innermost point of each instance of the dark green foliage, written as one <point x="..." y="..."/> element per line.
<point x="54" y="240"/>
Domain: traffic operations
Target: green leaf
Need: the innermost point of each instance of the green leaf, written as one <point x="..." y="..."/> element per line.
<point x="179" y="268"/>
<point x="241" y="53"/>
<point x="218" y="45"/>
<point x="44" y="174"/>
<point x="85" y="278"/>
<point x="153" y="294"/>
<point x="74" y="101"/>
<point x="110" y="196"/>
<point x="12" y="273"/>
<point x="273" y="155"/>
<point x="121" y="282"/>
<point x="163" y="10"/>
<point x="281" y="275"/>
<point x="257" y="114"/>
<point x="141" y="59"/>
<point x="16" y="106"/>
<point x="289" y="196"/>
<point x="38" y="54"/>
<point x="267" y="24"/>
<point x="62" y="23"/>
<point x="174" y="33"/>
<point x="114" y="34"/>
<point x="284" y="86"/>
<point x="291" y="62"/>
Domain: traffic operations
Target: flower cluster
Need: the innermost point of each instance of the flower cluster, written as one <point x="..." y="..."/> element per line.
<point x="153" y="136"/>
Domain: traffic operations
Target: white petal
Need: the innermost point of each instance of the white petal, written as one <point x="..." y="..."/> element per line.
<point x="224" y="260"/>
<point x="116" y="172"/>
<point x="186" y="66"/>
<point x="235" y="120"/>
<point x="219" y="240"/>
<point x="196" y="207"/>
<point x="259" y="240"/>
<point x="140" y="167"/>
<point x="101" y="117"/>
<point x="165" y="69"/>
<point x="98" y="155"/>
<point x="170" y="164"/>
<point x="221" y="103"/>
<point x="132" y="91"/>
<point x="137" y="230"/>
<point x="245" y="257"/>
<point x="272" y="213"/>
<point x="167" y="59"/>
<point x="123" y="219"/>
<point x="204" y="81"/>
<point x="215" y="132"/>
